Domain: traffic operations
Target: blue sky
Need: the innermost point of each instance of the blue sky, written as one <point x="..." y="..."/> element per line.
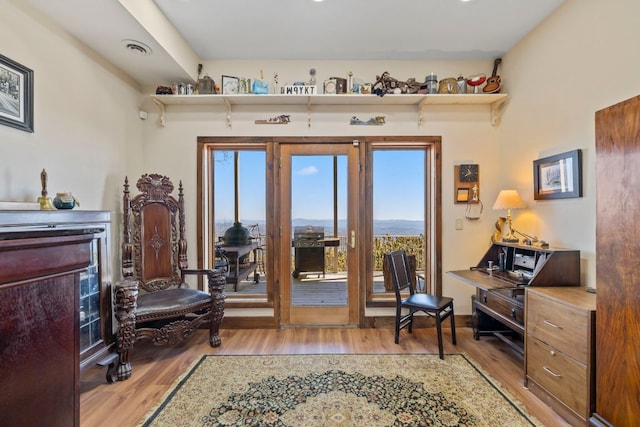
<point x="398" y="185"/>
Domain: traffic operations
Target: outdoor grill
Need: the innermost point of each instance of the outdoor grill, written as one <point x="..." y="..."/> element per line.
<point x="309" y="243"/>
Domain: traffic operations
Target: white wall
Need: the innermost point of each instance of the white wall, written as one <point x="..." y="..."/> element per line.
<point x="580" y="60"/>
<point x="87" y="132"/>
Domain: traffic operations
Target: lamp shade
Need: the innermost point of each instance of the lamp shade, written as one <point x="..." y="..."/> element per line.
<point x="509" y="199"/>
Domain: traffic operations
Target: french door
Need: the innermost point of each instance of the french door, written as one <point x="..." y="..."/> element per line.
<point x="319" y="207"/>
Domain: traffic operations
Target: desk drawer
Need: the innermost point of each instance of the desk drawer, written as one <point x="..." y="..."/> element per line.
<point x="562" y="327"/>
<point x="559" y="374"/>
<point x="506" y="302"/>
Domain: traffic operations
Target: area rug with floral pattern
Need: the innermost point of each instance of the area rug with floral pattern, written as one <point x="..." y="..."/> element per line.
<point x="337" y="390"/>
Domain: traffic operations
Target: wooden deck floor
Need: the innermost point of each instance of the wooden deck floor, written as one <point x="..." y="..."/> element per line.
<point x="311" y="289"/>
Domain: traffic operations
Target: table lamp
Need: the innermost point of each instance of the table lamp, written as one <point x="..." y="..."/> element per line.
<point x="508" y="199"/>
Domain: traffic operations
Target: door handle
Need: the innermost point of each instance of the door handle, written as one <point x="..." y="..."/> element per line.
<point x="352" y="240"/>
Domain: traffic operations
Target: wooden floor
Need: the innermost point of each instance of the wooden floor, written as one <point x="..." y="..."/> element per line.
<point x="155" y="369"/>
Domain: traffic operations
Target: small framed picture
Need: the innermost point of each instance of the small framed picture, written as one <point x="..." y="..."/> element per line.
<point x="230" y="85"/>
<point x="558" y="177"/>
<point x="462" y="195"/>
<point x="16" y="95"/>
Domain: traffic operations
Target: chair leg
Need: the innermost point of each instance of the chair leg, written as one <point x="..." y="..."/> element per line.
<point x="439" y="330"/>
<point x="453" y="327"/>
<point x="397" y="332"/>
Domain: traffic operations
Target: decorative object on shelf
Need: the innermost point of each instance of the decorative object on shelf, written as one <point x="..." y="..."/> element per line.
<point x="494" y="83"/>
<point x="243" y="87"/>
<point x="312" y="77"/>
<point x="298" y="90"/>
<point x="386" y="84"/>
<point x="431" y="82"/>
<point x="350" y="82"/>
<point x="16" y="81"/>
<point x="280" y="120"/>
<point x="275" y="83"/>
<point x="196" y="89"/>
<point x="462" y="84"/>
<point x="45" y="202"/>
<point x="448" y="86"/>
<point x="260" y="87"/>
<point x="230" y="85"/>
<point x="374" y="121"/>
<point x="206" y="85"/>
<point x="475" y="81"/>
<point x="65" y="200"/>
<point x="508" y="199"/>
<point x="558" y="177"/>
<point x="330" y="86"/>
<point x="164" y="90"/>
<point x="466" y="183"/>
<point x="341" y="84"/>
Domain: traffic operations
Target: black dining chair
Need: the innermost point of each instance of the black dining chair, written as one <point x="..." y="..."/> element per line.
<point x="435" y="306"/>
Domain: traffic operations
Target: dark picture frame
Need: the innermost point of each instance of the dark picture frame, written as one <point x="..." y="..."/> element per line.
<point x="16" y="95"/>
<point x="230" y="85"/>
<point x="558" y="177"/>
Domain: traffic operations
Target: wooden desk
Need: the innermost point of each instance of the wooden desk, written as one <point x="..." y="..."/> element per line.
<point x="498" y="305"/>
<point x="236" y="271"/>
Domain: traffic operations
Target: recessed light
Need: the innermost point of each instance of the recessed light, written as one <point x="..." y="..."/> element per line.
<point x="137" y="47"/>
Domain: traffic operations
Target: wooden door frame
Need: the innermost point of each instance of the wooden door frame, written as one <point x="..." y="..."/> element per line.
<point x="329" y="316"/>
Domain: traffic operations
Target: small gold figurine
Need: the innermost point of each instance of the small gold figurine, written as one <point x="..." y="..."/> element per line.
<point x="45" y="202"/>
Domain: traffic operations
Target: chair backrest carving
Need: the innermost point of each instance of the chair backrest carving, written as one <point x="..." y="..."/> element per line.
<point x="154" y="250"/>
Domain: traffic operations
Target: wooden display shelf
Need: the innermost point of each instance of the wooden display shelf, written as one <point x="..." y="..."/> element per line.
<point x="494" y="101"/>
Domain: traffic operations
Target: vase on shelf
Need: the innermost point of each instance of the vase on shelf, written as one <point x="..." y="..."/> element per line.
<point x="65" y="201"/>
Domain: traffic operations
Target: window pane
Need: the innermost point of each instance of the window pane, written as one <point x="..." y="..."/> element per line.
<point x="398" y="207"/>
<point x="246" y="176"/>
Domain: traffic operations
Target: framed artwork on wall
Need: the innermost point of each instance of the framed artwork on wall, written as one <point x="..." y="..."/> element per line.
<point x="16" y="95"/>
<point x="558" y="177"/>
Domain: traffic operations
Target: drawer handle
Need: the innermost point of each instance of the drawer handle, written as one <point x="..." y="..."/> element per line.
<point x="484" y="298"/>
<point x="513" y="313"/>
<point x="551" y="372"/>
<point x="553" y="325"/>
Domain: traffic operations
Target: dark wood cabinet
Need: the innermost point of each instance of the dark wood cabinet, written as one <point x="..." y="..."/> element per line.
<point x="617" y="273"/>
<point x="55" y="311"/>
<point x="499" y="302"/>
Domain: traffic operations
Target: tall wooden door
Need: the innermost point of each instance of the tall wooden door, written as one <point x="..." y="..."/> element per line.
<point x="617" y="265"/>
<point x="319" y="194"/>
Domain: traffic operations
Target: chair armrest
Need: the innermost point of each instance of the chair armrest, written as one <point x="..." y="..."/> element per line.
<point x="126" y="297"/>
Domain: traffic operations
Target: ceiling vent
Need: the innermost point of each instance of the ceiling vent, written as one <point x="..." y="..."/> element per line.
<point x="137" y="47"/>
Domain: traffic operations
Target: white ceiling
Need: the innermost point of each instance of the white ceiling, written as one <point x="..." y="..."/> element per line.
<point x="298" y="29"/>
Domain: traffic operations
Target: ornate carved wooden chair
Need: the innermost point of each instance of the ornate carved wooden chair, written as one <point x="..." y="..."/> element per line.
<point x="153" y="302"/>
<point x="437" y="307"/>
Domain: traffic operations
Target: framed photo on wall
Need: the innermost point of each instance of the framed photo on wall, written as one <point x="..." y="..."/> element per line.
<point x="558" y="177"/>
<point x="16" y="95"/>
